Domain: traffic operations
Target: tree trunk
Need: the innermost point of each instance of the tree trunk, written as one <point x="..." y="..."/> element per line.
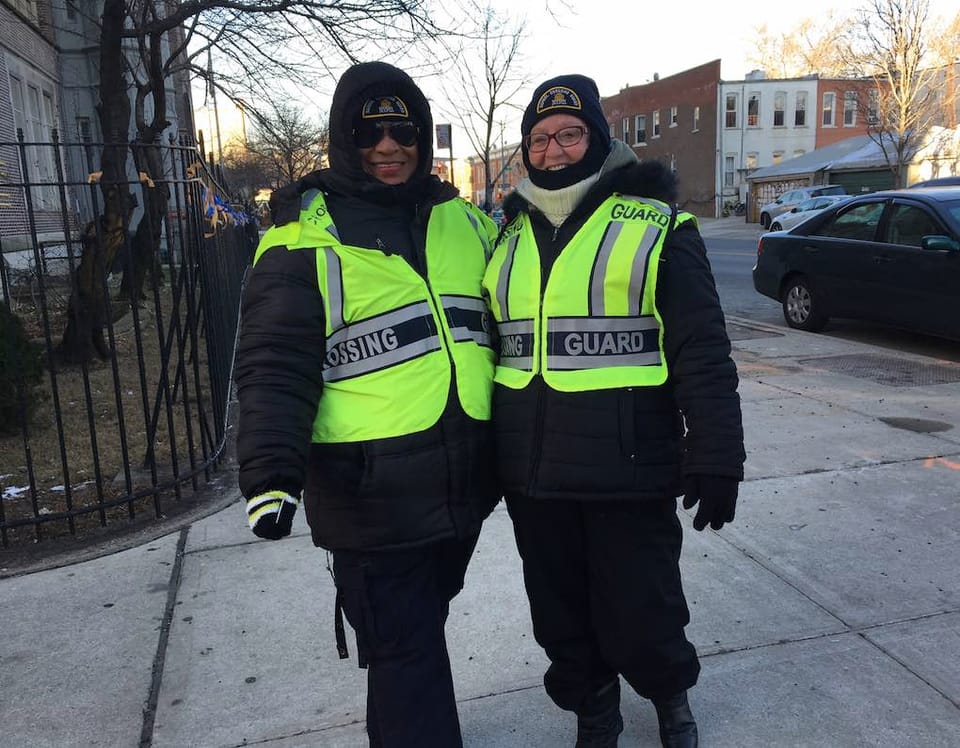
<point x="103" y="237"/>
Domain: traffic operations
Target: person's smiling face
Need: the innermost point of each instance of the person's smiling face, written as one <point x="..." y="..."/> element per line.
<point x="388" y="160"/>
<point x="556" y="156"/>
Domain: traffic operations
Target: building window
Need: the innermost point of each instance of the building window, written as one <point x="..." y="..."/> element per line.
<point x="673" y="163"/>
<point x="798" y="152"/>
<point x="849" y="108"/>
<point x="613" y="131"/>
<point x="27" y="8"/>
<point x="656" y="124"/>
<point x="777" y="157"/>
<point x="674" y="119"/>
<point x="800" y="113"/>
<point x="728" y="170"/>
<point x="640" y="129"/>
<point x="84" y="131"/>
<point x="873" y="107"/>
<point x="779" y="109"/>
<point x="730" y="111"/>
<point x="33" y="113"/>
<point x="753" y="110"/>
<point x="750" y="161"/>
<point x="625" y="129"/>
<point x="829" y="103"/>
<point x="696" y="119"/>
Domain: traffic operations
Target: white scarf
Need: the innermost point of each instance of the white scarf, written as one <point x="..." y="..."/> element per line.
<point x="557" y="205"/>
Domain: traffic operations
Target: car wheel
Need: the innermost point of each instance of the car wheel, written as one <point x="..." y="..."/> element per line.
<point x="802" y="309"/>
<point x="775" y="226"/>
<point x="765" y="220"/>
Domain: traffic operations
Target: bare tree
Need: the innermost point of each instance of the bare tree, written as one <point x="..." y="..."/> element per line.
<point x="256" y="40"/>
<point x="288" y="143"/>
<point x="888" y="47"/>
<point x="486" y="75"/>
<point x="812" y="47"/>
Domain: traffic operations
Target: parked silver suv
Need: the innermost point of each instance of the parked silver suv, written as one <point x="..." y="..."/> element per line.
<point x="789" y="199"/>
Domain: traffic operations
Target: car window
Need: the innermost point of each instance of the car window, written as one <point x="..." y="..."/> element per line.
<point x="909" y="224"/>
<point x="860" y="222"/>
<point x="835" y="189"/>
<point x="808" y="204"/>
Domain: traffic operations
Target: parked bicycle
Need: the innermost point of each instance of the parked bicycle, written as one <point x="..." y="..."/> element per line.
<point x="733" y="207"/>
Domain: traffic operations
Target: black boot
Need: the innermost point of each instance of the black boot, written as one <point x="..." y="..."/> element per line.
<point x="598" y="720"/>
<point x="677" y="726"/>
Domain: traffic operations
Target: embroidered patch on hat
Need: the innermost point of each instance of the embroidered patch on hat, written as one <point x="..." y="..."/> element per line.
<point x="559" y="97"/>
<point x="384" y="106"/>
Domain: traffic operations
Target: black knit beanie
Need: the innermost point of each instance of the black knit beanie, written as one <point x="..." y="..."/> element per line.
<point x="568" y="94"/>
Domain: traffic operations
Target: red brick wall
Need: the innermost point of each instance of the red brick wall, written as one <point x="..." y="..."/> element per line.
<point x="692" y="152"/>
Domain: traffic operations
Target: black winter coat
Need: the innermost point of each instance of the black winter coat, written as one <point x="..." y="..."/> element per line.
<point x="374" y="495"/>
<point x="634" y="443"/>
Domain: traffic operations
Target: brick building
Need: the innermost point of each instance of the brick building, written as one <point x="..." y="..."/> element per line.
<point x="674" y="120"/>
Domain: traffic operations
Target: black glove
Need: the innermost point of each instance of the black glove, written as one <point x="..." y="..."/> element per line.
<point x="270" y="515"/>
<point x="717" y="496"/>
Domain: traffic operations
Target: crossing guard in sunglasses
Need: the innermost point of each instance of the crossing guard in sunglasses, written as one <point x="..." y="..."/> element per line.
<point x="364" y="372"/>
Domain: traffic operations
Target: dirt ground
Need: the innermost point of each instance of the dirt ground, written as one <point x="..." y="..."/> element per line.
<point x="88" y="444"/>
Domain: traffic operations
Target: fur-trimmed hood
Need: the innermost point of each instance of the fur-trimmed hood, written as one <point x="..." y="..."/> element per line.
<point x="643" y="179"/>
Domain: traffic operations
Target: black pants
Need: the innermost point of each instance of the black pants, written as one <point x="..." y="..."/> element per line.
<point x="397" y="603"/>
<point x="603" y="579"/>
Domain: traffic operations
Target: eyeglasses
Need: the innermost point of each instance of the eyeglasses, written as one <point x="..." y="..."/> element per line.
<point x="565" y="138"/>
<point x="368" y="134"/>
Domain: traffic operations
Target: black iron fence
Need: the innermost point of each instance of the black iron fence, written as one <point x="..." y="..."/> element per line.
<point x="135" y="428"/>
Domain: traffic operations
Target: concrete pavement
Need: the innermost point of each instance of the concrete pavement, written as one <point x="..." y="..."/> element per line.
<point x="828" y="614"/>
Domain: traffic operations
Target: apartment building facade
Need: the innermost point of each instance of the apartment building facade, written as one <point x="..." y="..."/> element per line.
<point x="30" y="88"/>
<point x="674" y="120"/>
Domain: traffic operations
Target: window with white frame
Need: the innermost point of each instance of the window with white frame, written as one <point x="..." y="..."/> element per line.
<point x="798" y="152"/>
<point x="673" y="163"/>
<point x="656" y="123"/>
<point x="800" y="110"/>
<point x="696" y="118"/>
<point x="777" y="157"/>
<point x="640" y="129"/>
<point x="873" y="107"/>
<point x="849" y="108"/>
<point x="829" y="104"/>
<point x="625" y="129"/>
<point x="33" y="114"/>
<point x="729" y="164"/>
<point x="613" y="131"/>
<point x="750" y="161"/>
<point x="730" y="107"/>
<point x="779" y="109"/>
<point x="674" y="117"/>
<point x="29" y="9"/>
<point x="753" y="110"/>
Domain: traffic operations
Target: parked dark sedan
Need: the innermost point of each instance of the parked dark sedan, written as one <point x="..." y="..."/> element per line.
<point x="891" y="257"/>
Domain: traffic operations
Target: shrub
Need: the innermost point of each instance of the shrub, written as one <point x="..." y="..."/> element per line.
<point x="21" y="371"/>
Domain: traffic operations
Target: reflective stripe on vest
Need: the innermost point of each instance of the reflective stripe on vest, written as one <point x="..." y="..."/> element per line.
<point x="595" y="325"/>
<point x="468" y="319"/>
<point x="393" y="341"/>
<point x="376" y="343"/>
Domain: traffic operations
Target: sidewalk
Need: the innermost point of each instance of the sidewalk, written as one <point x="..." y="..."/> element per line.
<point x="828" y="614"/>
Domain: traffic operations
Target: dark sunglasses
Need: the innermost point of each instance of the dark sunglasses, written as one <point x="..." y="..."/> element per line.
<point x="368" y="134"/>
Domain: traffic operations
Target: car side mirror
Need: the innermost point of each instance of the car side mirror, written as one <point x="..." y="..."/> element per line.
<point x="937" y="241"/>
<point x="793" y="210"/>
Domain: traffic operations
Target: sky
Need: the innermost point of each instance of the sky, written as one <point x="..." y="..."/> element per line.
<point x="619" y="44"/>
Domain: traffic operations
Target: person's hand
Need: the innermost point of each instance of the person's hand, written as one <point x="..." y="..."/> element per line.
<point x="717" y="496"/>
<point x="270" y="514"/>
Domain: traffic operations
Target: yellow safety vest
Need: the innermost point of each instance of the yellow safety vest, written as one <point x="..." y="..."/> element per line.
<point x="393" y="338"/>
<point x="596" y="325"/>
